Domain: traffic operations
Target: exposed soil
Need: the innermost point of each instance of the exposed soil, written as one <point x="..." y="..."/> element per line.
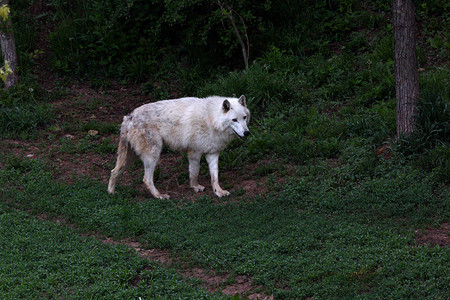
<point x="212" y="281"/>
<point x="434" y="236"/>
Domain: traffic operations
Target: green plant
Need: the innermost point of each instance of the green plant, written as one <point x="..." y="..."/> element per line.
<point x="156" y="92"/>
<point x="20" y="112"/>
<point x="358" y="41"/>
<point x="103" y="128"/>
<point x="433" y="119"/>
<point x="26" y="37"/>
<point x="262" y="87"/>
<point x="88" y="144"/>
<point x="440" y="158"/>
<point x="24" y="119"/>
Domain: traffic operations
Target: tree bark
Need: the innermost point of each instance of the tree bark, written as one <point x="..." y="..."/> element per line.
<point x="8" y="46"/>
<point x="405" y="65"/>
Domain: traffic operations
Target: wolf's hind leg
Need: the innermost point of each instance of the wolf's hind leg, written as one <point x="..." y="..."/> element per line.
<point x="194" y="169"/>
<point x="125" y="157"/>
<point x="150" y="159"/>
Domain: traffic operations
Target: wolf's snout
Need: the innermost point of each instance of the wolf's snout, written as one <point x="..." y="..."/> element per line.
<point x="246" y="134"/>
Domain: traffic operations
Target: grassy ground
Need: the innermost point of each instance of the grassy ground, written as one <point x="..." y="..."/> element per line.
<point x="316" y="237"/>
<point x="323" y="204"/>
<point x="41" y="259"/>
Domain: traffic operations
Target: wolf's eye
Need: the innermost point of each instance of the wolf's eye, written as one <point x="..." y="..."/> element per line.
<point x="245" y="117"/>
<point x="234" y="120"/>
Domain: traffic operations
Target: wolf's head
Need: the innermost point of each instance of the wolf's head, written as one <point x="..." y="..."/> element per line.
<point x="237" y="116"/>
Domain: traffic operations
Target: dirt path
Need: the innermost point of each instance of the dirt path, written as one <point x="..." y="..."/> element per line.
<point x="211" y="280"/>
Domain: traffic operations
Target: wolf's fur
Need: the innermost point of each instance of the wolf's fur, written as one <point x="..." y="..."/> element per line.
<point x="195" y="125"/>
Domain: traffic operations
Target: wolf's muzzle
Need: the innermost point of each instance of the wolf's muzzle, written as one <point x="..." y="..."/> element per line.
<point x="246" y="134"/>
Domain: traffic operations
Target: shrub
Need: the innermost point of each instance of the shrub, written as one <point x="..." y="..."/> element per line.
<point x="24" y="119"/>
<point x="433" y="119"/>
<point x="127" y="38"/>
<point x="25" y="36"/>
<point x="429" y="145"/>
<point x="263" y="89"/>
<point x="439" y="158"/>
<point x="20" y="114"/>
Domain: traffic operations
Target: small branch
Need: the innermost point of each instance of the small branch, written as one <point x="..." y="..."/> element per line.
<point x="229" y="12"/>
<point x="246" y="38"/>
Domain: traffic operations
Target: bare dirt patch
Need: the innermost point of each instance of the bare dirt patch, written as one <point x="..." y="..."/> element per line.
<point x="172" y="171"/>
<point x="211" y="280"/>
<point x="434" y="236"/>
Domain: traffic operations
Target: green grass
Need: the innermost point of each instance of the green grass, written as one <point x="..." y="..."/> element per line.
<point x="24" y="119"/>
<point x="323" y="236"/>
<point x="45" y="260"/>
<point x="88" y="144"/>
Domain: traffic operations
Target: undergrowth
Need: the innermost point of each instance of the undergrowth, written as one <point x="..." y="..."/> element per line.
<point x="21" y="114"/>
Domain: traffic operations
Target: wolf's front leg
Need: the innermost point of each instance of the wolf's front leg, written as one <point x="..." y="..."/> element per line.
<point x="213" y="164"/>
<point x="194" y="169"/>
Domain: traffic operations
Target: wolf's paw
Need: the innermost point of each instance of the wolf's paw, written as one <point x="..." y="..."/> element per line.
<point x="221" y="193"/>
<point x="111" y="188"/>
<point x="163" y="196"/>
<point x="198" y="188"/>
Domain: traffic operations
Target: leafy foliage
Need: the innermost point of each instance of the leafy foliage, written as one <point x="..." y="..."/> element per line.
<point x="20" y="113"/>
<point x="128" y="39"/>
<point x="430" y="143"/>
<point x="125" y="39"/>
<point x="25" y="35"/>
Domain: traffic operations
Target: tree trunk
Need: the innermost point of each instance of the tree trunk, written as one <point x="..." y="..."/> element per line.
<point x="8" y="46"/>
<point x="405" y="64"/>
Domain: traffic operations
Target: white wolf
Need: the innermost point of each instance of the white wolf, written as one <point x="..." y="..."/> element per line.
<point x="196" y="125"/>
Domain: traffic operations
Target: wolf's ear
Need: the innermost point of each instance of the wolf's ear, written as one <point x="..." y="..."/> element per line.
<point x="226" y="105"/>
<point x="242" y="101"/>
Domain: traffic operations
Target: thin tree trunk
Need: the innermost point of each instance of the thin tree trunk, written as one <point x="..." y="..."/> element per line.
<point x="229" y="13"/>
<point x="405" y="64"/>
<point x="8" y="46"/>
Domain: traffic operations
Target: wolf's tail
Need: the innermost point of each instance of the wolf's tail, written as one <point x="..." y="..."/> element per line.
<point x="124" y="128"/>
<point x="125" y="155"/>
